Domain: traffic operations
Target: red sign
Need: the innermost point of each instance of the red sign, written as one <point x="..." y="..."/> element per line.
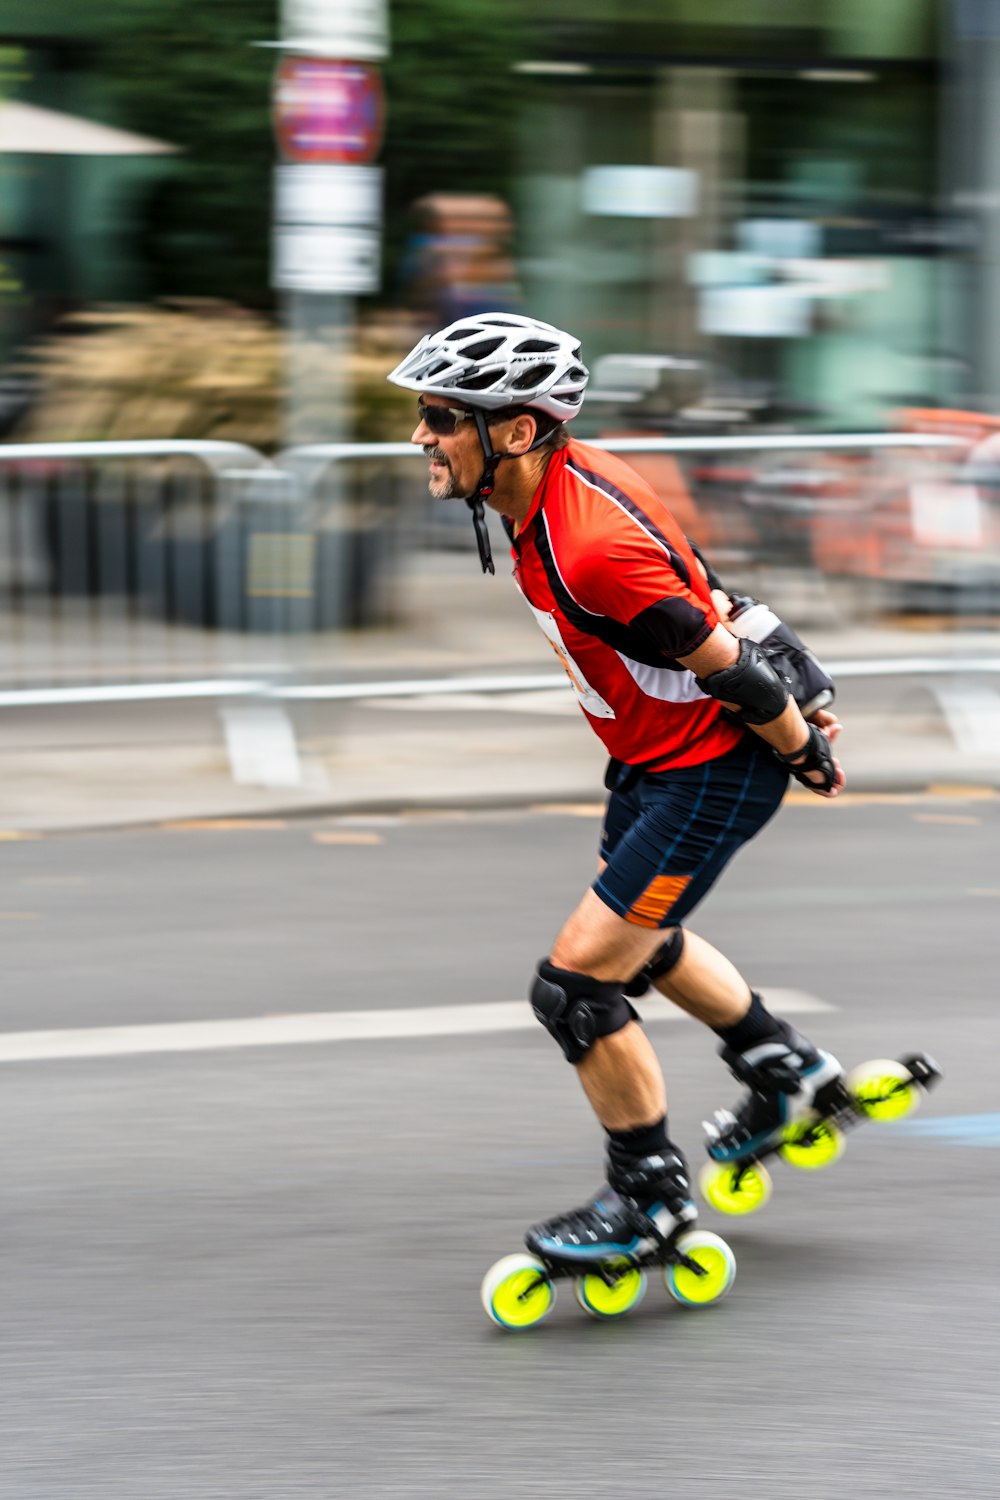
<point x="327" y="111"/>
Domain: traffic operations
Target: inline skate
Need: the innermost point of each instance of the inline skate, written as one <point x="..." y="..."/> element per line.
<point x="799" y="1105"/>
<point x="644" y="1217"/>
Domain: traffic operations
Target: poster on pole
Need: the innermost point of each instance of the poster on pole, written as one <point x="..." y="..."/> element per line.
<point x="328" y="110"/>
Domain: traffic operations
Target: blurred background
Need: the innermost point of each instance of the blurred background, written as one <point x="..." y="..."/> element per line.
<point x="776" y="236"/>
<point x="223" y="225"/>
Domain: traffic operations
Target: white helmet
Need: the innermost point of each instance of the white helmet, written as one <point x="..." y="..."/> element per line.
<point x="499" y="359"/>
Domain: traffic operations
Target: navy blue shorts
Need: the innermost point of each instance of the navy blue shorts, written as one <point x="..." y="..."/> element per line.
<point x="668" y="835"/>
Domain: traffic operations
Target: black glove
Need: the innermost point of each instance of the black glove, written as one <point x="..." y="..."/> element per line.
<point x="816" y="755"/>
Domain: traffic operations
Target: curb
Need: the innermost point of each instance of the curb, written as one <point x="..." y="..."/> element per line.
<point x="863" y="787"/>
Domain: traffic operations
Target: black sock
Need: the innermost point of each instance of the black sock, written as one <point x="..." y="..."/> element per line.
<point x="758" y="1025"/>
<point x="648" y="1140"/>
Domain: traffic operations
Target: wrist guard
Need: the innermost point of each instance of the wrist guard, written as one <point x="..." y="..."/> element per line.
<point x="815" y="755"/>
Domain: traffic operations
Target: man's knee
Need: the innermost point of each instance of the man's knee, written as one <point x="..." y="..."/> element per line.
<point x="576" y="1009"/>
<point x="666" y="957"/>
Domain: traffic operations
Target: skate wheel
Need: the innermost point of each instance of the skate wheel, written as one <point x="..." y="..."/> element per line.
<point x="603" y="1301"/>
<point x="718" y="1265"/>
<point x="729" y="1190"/>
<point x="883" y="1089"/>
<point x="514" y="1293"/>
<point x="809" y="1146"/>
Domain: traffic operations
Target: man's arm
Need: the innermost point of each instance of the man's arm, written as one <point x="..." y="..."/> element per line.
<point x="787" y="732"/>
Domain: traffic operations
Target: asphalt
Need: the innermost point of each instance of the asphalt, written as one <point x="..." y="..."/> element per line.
<point x="96" y="765"/>
<point x="251" y="1272"/>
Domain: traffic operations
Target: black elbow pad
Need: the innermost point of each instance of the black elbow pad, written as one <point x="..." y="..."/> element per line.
<point x="752" y="683"/>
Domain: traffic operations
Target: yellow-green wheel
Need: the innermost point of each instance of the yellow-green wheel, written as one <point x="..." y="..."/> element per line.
<point x="515" y="1293"/>
<point x="718" y="1265"/>
<point x="603" y="1301"/>
<point x="730" y="1189"/>
<point x="883" y="1089"/>
<point x="814" y="1144"/>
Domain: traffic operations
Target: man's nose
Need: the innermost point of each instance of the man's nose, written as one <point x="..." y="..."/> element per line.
<point x="422" y="434"/>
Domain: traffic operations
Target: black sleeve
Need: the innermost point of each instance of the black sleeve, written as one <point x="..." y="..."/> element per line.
<point x="673" y="626"/>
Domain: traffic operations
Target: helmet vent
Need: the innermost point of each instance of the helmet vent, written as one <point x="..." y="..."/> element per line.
<point x="463" y="333"/>
<point x="529" y="379"/>
<point x="536" y="346"/>
<point x="480" y="382"/>
<point x="483" y="349"/>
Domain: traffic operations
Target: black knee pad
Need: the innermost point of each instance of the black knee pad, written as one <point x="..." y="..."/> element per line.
<point x="662" y="961"/>
<point x="576" y="1009"/>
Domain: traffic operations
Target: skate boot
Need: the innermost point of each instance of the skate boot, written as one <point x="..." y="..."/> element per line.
<point x="794" y="1093"/>
<point x="799" y="1106"/>
<point x="647" y="1200"/>
<point x="786" y="1077"/>
<point x="644" y="1216"/>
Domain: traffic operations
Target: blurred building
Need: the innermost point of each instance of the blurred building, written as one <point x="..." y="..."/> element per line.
<point x="794" y="199"/>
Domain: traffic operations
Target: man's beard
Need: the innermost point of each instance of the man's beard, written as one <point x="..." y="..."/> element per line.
<point x="442" y="486"/>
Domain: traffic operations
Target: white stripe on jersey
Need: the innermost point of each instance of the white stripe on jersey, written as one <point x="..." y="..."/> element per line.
<point x="662" y="683"/>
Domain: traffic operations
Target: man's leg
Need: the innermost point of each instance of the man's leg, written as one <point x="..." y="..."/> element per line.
<point x="783" y="1070"/>
<point x="664" y="842"/>
<point x="620" y="1074"/>
<point x="594" y="955"/>
<point x="706" y="985"/>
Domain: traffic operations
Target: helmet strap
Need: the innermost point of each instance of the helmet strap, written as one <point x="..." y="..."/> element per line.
<point x="482" y="491"/>
<point x="482" y="534"/>
<point x="487" y="480"/>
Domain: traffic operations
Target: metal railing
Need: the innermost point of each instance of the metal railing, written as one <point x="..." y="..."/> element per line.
<point x="158" y="562"/>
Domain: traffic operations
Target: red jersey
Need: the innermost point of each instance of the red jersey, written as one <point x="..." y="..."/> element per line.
<point x="613" y="583"/>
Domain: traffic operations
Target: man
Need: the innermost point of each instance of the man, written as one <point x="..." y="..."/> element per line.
<point x="702" y="733"/>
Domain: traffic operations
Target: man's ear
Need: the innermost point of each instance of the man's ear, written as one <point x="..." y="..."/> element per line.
<point x="522" y="434"/>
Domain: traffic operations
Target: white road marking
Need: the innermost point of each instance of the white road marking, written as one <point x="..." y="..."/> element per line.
<point x="261" y="745"/>
<point x="320" y="1026"/>
<point x="972" y="710"/>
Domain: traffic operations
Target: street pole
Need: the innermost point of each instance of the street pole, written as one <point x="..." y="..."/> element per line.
<point x="328" y="115"/>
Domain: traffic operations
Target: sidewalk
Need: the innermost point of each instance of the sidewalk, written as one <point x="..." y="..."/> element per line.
<point x="110" y="766"/>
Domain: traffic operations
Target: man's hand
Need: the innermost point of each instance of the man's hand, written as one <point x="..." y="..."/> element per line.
<point x="826" y="719"/>
<point x="723" y="603"/>
<point x="815" y="766"/>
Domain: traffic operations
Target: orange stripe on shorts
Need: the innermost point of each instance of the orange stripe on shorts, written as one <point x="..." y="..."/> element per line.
<point x="656" y="900"/>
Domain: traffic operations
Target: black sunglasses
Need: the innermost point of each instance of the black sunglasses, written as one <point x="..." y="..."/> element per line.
<point x="442" y="420"/>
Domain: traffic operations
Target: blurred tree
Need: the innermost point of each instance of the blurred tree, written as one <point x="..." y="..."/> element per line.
<point x="190" y="74"/>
